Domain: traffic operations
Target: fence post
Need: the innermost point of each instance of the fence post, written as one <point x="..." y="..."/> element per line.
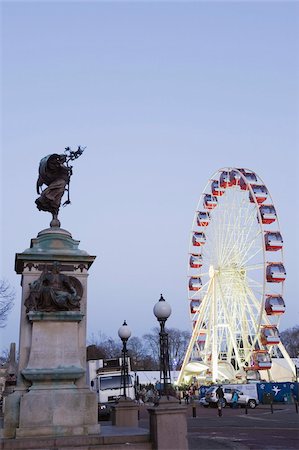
<point x="193" y="411"/>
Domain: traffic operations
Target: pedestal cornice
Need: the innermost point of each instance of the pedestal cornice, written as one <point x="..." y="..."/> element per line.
<point x="53" y="244"/>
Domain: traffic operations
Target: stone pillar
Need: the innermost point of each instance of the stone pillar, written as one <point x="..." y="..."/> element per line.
<point x="51" y="397"/>
<point x="168" y="425"/>
<point x="125" y="413"/>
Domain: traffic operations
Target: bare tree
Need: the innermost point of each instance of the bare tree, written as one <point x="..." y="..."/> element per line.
<point x="140" y="357"/>
<point x="178" y="341"/>
<point x="290" y="339"/>
<point x="151" y="341"/>
<point x="136" y="350"/>
<point x="104" y="347"/>
<point x="144" y="352"/>
<point x="7" y="296"/>
<point x="4" y="357"/>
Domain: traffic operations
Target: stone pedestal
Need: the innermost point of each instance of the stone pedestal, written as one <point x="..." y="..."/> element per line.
<point x="168" y="425"/>
<point x="51" y="397"/>
<point x="125" y="413"/>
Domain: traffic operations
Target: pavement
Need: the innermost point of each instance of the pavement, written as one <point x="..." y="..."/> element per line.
<point x="259" y="429"/>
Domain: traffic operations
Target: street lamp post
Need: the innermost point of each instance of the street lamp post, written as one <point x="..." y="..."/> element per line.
<point x="124" y="333"/>
<point x="162" y="311"/>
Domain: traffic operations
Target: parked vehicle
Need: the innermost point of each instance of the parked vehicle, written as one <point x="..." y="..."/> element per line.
<point x="203" y="402"/>
<point x="107" y="383"/>
<point x="110" y="389"/>
<point x="249" y="398"/>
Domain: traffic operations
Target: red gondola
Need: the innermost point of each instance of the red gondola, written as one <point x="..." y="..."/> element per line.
<point x="269" y="335"/>
<point x="275" y="272"/>
<point x="203" y="218"/>
<point x="235" y="177"/>
<point x="194" y="306"/>
<point x="210" y="201"/>
<point x="215" y="188"/>
<point x="195" y="261"/>
<point x="224" y="180"/>
<point x="273" y="241"/>
<point x="250" y="178"/>
<point x="195" y="284"/>
<point x="260" y="360"/>
<point x="202" y="337"/>
<point x="198" y="239"/>
<point x="260" y="193"/>
<point x="268" y="214"/>
<point x="274" y="305"/>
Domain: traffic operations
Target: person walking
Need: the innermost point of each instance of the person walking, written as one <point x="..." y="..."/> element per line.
<point x="187" y="396"/>
<point x="220" y="396"/>
<point x="235" y="398"/>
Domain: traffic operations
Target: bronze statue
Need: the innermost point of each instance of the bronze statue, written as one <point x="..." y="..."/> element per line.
<point x="54" y="291"/>
<point x="55" y="172"/>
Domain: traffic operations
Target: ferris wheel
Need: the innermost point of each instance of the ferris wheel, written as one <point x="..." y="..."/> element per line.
<point x="235" y="280"/>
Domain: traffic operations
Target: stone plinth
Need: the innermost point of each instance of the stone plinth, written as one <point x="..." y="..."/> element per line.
<point x="54" y="353"/>
<point x="168" y="425"/>
<point x="51" y="397"/>
<point x="61" y="412"/>
<point x="125" y="413"/>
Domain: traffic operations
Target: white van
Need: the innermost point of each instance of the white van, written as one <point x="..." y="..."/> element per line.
<point x="247" y="394"/>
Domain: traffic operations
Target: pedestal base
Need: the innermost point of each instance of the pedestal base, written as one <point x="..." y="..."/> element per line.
<point x="125" y="413"/>
<point x="57" y="412"/>
<point x="168" y="425"/>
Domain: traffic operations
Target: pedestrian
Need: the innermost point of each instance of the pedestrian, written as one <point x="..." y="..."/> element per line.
<point x="187" y="397"/>
<point x="219" y="392"/>
<point x="220" y="396"/>
<point x="235" y="398"/>
<point x="150" y="395"/>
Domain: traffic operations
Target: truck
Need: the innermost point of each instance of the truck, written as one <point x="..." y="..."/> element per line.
<point x="105" y="378"/>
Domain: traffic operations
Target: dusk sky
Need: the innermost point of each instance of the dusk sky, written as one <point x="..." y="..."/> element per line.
<point x="162" y="94"/>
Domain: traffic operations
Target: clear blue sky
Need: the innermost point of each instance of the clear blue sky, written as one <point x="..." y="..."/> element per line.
<point x="162" y="94"/>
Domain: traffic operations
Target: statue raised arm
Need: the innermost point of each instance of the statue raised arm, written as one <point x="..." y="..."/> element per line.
<point x="55" y="172"/>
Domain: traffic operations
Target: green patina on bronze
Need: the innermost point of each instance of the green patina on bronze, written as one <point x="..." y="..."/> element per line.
<point x="57" y="373"/>
<point x="53" y="244"/>
<point x="57" y="316"/>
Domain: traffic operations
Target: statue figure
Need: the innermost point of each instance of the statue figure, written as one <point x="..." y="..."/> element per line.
<point x="55" y="173"/>
<point x="54" y="291"/>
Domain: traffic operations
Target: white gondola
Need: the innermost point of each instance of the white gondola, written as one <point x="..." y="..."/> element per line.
<point x="269" y="335"/>
<point x="260" y="193"/>
<point x="274" y="305"/>
<point x="203" y="218"/>
<point x="268" y="214"/>
<point x="273" y="241"/>
<point x="198" y="239"/>
<point x="215" y="188"/>
<point x="260" y="360"/>
<point x="224" y="180"/>
<point x="195" y="306"/>
<point x="195" y="283"/>
<point x="275" y="272"/>
<point x="249" y="178"/>
<point x="195" y="261"/>
<point x="210" y="201"/>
